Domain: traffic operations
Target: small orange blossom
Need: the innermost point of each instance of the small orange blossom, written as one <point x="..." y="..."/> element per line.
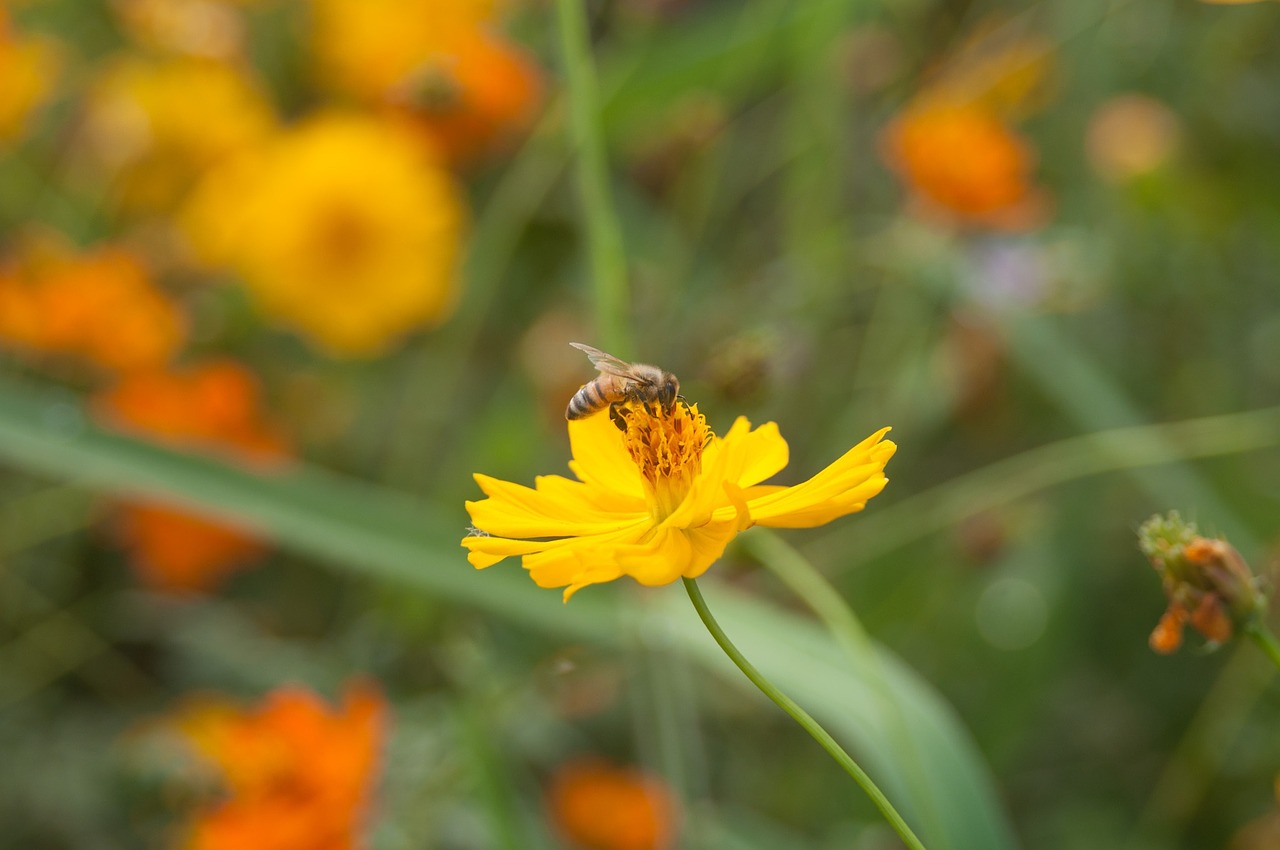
<point x="298" y="774"/>
<point x="961" y="158"/>
<point x="599" y="806"/>
<point x="212" y="406"/>
<point x="99" y="305"/>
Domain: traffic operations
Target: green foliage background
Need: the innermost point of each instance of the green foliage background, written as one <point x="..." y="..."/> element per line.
<point x="773" y="269"/>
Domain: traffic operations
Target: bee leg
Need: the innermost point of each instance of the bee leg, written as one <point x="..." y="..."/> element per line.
<point x="617" y="417"/>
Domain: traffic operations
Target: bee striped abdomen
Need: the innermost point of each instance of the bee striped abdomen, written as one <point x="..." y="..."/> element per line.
<point x="586" y="401"/>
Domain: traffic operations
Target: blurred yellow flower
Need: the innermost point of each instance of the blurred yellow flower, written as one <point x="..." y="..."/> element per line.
<point x="441" y="66"/>
<point x="29" y="66"/>
<point x="341" y="228"/>
<point x="660" y="500"/>
<point x="157" y="125"/>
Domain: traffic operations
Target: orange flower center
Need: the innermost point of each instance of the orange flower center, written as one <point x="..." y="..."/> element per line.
<point x="344" y="237"/>
<point x="667" y="449"/>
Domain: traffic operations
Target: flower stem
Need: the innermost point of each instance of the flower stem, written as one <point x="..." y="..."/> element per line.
<point x="604" y="237"/>
<point x="803" y="718"/>
<point x="1265" y="640"/>
<point x="806" y="582"/>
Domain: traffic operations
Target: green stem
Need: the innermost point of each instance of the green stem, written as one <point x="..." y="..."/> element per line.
<point x="1265" y="640"/>
<point x="804" y="580"/>
<point x="803" y="718"/>
<point x="604" y="237"/>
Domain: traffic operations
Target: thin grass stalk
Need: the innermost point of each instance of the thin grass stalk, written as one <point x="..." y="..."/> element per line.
<point x="608" y="263"/>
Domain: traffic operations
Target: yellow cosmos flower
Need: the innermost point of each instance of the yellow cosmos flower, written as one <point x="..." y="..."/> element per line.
<point x="341" y="229"/>
<point x="660" y="500"/>
<point x="158" y="124"/>
<point x="28" y="69"/>
<point x="443" y="67"/>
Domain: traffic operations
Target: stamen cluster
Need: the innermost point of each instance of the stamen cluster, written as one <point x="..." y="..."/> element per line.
<point x="665" y="445"/>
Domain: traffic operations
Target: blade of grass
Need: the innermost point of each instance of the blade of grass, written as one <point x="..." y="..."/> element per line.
<point x="1019" y="476"/>
<point x="604" y="236"/>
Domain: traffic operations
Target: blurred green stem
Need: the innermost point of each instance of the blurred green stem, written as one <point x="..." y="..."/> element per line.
<point x="604" y="237"/>
<point x="804" y="580"/>
<point x="803" y="718"/>
<point x="1266" y="641"/>
<point x="1006" y="481"/>
<point x="800" y="577"/>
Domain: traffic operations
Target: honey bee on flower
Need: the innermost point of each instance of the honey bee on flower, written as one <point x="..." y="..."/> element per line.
<point x="658" y="494"/>
<point x="620" y="382"/>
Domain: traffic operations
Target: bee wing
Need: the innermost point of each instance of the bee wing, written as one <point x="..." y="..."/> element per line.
<point x="607" y="363"/>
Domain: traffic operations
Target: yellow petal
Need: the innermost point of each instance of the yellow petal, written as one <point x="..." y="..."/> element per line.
<point x="708" y="544"/>
<point x="660" y="560"/>
<point x="560" y="508"/>
<point x="584" y="497"/>
<point x="583" y="560"/>
<point x="841" y="488"/>
<point x="707" y="491"/>
<point x="761" y="454"/>
<point x="820" y="514"/>
<point x="600" y="459"/>
<point x="485" y="551"/>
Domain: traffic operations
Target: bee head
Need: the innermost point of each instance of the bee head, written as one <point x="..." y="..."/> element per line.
<point x="669" y="391"/>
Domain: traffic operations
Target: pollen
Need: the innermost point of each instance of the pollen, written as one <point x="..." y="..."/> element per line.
<point x="665" y="445"/>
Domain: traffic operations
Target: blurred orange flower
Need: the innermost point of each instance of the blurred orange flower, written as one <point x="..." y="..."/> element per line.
<point x="158" y="124"/>
<point x="961" y="158"/>
<point x="598" y="806"/>
<point x="99" y="305"/>
<point x="29" y="66"/>
<point x="443" y="66"/>
<point x="298" y="774"/>
<point x="954" y="144"/>
<point x="211" y="406"/>
<point x="341" y="229"/>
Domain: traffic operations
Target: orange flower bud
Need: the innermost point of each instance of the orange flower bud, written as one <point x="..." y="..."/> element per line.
<point x="1207" y="582"/>
<point x="1167" y="635"/>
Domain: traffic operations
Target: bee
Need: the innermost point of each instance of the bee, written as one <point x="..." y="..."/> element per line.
<point x="619" y="382"/>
